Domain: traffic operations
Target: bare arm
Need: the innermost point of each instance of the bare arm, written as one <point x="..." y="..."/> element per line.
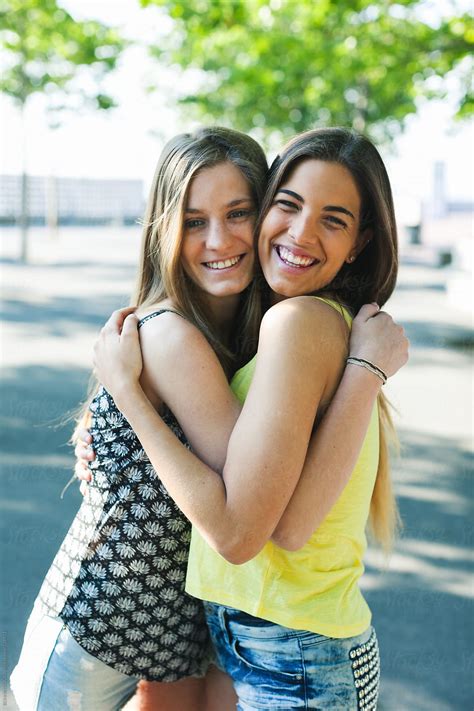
<point x="328" y="466"/>
<point x="335" y="446"/>
<point x="297" y="367"/>
<point x="172" y="363"/>
<point x="184" y="371"/>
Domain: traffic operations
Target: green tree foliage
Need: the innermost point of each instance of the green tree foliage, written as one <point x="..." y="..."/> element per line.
<point x="44" y="49"/>
<point x="288" y="65"/>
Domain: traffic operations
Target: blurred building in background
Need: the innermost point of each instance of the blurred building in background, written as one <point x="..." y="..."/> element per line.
<point x="72" y="201"/>
<point x="438" y="221"/>
<point x="441" y="205"/>
<point x="439" y="231"/>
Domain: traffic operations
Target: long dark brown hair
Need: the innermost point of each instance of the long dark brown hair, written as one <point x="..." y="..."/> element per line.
<point x="371" y="277"/>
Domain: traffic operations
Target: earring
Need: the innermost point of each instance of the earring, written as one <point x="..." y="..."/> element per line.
<point x="351" y="259"/>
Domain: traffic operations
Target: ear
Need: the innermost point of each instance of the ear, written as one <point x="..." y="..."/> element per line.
<point x="362" y="242"/>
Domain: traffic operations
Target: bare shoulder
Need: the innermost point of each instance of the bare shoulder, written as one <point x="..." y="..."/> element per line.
<point x="171" y="333"/>
<point x="307" y="318"/>
<point x="176" y="357"/>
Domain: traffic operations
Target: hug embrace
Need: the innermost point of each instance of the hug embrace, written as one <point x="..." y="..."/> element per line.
<point x="214" y="562"/>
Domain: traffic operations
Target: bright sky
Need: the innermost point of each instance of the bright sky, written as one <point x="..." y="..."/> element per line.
<point x="126" y="142"/>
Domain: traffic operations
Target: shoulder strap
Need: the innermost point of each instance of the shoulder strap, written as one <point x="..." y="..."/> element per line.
<point x="338" y="307"/>
<point x="157" y="313"/>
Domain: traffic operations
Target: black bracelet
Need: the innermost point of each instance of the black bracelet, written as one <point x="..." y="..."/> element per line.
<point x="368" y="366"/>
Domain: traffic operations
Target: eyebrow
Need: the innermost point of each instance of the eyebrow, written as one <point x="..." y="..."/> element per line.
<point x="290" y="192"/>
<point x="232" y="203"/>
<point x="338" y="208"/>
<point x="328" y="208"/>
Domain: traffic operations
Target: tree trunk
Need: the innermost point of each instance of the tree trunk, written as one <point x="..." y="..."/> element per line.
<point x="24" y="197"/>
<point x="52" y="205"/>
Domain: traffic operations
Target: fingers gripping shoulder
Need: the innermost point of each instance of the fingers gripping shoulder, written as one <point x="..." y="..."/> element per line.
<point x="117" y="320"/>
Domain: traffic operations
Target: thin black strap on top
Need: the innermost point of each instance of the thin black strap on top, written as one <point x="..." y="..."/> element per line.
<point x="157" y="313"/>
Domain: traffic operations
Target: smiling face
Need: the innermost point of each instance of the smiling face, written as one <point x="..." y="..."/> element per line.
<point x="217" y="250"/>
<point x="311" y="229"/>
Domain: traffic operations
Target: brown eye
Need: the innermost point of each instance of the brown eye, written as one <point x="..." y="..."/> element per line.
<point x="335" y="221"/>
<point x="286" y="205"/>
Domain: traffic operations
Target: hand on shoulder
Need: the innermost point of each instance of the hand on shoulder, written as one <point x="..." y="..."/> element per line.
<point x="377" y="338"/>
<point x="117" y="355"/>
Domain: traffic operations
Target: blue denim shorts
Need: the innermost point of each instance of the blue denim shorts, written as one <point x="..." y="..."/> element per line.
<point x="278" y="668"/>
<point x="54" y="673"/>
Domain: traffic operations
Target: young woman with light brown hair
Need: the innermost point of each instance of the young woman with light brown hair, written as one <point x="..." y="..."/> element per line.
<point x="112" y="608"/>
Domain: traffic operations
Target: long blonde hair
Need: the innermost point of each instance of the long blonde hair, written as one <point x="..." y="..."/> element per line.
<point x="160" y="273"/>
<point x="370" y="278"/>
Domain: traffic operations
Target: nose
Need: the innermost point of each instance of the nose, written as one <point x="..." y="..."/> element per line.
<point x="218" y="236"/>
<point x="303" y="230"/>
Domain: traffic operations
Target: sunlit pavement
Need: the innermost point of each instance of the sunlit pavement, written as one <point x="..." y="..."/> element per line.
<point x="422" y="603"/>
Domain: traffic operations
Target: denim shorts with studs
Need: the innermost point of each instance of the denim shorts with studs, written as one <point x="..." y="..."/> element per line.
<point x="279" y="668"/>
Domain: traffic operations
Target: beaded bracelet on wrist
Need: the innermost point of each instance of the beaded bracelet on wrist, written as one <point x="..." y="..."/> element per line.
<point x="361" y="362"/>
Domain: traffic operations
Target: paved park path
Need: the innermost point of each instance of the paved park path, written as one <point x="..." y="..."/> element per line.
<point x="422" y="603"/>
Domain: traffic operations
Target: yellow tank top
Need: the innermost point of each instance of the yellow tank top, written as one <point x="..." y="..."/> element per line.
<point x="315" y="588"/>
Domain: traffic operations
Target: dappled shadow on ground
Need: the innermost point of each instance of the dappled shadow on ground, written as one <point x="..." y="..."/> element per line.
<point x="82" y="294"/>
<point x="422" y="604"/>
<point x="36" y="464"/>
<point x="57" y="316"/>
<point x="37" y="407"/>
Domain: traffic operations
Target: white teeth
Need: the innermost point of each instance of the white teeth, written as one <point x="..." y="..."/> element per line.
<point x="223" y="264"/>
<point x="293" y="259"/>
